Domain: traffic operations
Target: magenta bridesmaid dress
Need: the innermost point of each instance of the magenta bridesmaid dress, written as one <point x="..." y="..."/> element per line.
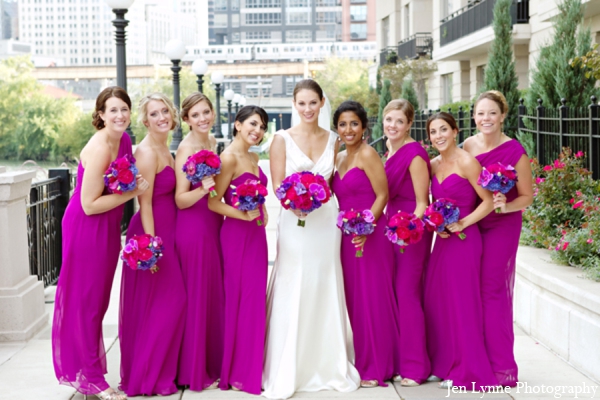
<point x="90" y="249"/>
<point x="245" y="266"/>
<point x="498" y="272"/>
<point x="410" y="266"/>
<point x="452" y="302"/>
<point x="368" y="283"/>
<point x="199" y="250"/>
<point x="152" y="313"/>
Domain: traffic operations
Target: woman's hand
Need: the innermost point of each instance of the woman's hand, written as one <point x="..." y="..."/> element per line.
<point x="359" y="242"/>
<point x="456" y="227"/>
<point x="443" y="235"/>
<point x="500" y="202"/>
<point x="141" y="185"/>
<point x="208" y="183"/>
<point x="299" y="214"/>
<point x="252" y="215"/>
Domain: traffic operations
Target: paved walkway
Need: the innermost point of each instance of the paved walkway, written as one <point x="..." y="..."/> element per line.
<point x="26" y="371"/>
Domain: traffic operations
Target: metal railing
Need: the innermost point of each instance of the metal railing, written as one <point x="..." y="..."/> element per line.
<point x="477" y="15"/>
<point x="388" y="56"/>
<point x="418" y="45"/>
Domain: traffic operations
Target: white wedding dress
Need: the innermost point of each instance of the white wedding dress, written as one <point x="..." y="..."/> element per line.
<point x="307" y="346"/>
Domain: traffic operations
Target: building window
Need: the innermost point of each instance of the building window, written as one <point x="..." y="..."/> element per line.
<point x="298" y="3"/>
<point x="446" y="89"/>
<point x="328" y="3"/>
<point x="263" y="3"/>
<point x="447" y="7"/>
<point x="358" y="13"/>
<point x="235" y="5"/>
<point x="220" y="5"/>
<point x="358" y="31"/>
<point x="357" y="1"/>
<point x="258" y="35"/>
<point x="220" y="21"/>
<point x="328" y="17"/>
<point x="298" y="18"/>
<point x="235" y="20"/>
<point x="298" y="36"/>
<point x="263" y="19"/>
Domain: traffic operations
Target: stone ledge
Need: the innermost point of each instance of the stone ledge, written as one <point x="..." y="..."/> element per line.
<point x="16" y="176"/>
<point x="559" y="308"/>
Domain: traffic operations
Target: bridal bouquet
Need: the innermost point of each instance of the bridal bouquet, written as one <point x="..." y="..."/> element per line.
<point x="249" y="196"/>
<point x="200" y="165"/>
<point x="440" y="213"/>
<point x="303" y="191"/>
<point x="404" y="229"/>
<point x="142" y="252"/>
<point x="120" y="175"/>
<point x="498" y="178"/>
<point x="356" y="223"/>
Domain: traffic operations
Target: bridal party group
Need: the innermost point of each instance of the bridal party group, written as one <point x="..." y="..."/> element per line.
<point x="196" y="310"/>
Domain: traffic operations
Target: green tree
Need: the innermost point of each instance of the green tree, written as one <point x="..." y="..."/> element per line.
<point x="344" y="79"/>
<point x="384" y="99"/>
<point x="554" y="77"/>
<point x="408" y="93"/>
<point x="72" y="140"/>
<point x="500" y="73"/>
<point x="396" y="74"/>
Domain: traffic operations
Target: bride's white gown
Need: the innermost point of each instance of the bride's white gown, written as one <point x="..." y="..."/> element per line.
<point x="306" y="346"/>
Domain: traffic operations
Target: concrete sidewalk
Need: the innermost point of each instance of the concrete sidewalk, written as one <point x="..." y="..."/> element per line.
<point x="26" y="371"/>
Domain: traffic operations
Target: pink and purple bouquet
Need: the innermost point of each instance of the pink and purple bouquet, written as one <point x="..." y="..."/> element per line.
<point x="200" y="165"/>
<point x="498" y="178"/>
<point x="303" y="191"/>
<point x="249" y="196"/>
<point x="121" y="174"/>
<point x="440" y="213"/>
<point x="356" y="223"/>
<point x="404" y="229"/>
<point x="143" y="252"/>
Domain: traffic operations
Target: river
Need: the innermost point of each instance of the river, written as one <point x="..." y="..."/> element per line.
<point x="41" y="167"/>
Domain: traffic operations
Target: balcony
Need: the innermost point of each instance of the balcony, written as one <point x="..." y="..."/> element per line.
<point x="476" y="15"/>
<point x="388" y="56"/>
<point x="418" y="45"/>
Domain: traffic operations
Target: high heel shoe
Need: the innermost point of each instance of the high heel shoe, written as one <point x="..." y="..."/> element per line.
<point x="433" y="378"/>
<point x="369" y="383"/>
<point x="109" y="395"/>
<point x="407" y="382"/>
<point x="446" y="384"/>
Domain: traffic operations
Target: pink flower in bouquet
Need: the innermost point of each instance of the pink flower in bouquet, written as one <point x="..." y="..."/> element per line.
<point x="200" y="165"/>
<point x="303" y="191"/>
<point x="120" y="175"/>
<point x="404" y="229"/>
<point x="356" y="223"/>
<point x="142" y="252"/>
<point x="249" y="196"/>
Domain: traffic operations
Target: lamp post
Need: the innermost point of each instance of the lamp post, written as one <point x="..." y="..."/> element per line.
<point x="217" y="79"/>
<point x="229" y="95"/>
<point x="175" y="50"/>
<point x="199" y="67"/>
<point x="236" y="100"/>
<point x="120" y="7"/>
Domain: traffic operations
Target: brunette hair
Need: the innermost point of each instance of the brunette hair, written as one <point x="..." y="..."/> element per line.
<point x="351" y="106"/>
<point x="495" y="96"/>
<point x="191" y="101"/>
<point x="403" y="105"/>
<point x="448" y="118"/>
<point x="143" y="108"/>
<point x="308" y="84"/>
<point x="109" y="92"/>
<point x="248" y="111"/>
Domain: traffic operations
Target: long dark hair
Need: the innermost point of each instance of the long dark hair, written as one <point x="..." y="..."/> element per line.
<point x="248" y="111"/>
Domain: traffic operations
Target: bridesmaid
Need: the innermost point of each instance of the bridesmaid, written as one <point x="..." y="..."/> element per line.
<point x="491" y="146"/>
<point x="408" y="170"/>
<point x="91" y="243"/>
<point x="245" y="258"/>
<point x="152" y="314"/>
<point x="360" y="183"/>
<point x="453" y="316"/>
<point x="199" y="250"/>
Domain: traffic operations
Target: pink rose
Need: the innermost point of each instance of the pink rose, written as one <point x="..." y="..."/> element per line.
<point x="578" y="204"/>
<point x="126" y="176"/>
<point x="548" y="168"/>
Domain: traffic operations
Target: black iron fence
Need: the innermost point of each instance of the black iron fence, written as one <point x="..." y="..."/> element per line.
<point x="388" y="56"/>
<point x="551" y="130"/>
<point x="418" y="45"/>
<point x="477" y="15"/>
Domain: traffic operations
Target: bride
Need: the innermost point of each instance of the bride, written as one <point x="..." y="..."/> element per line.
<point x="306" y="340"/>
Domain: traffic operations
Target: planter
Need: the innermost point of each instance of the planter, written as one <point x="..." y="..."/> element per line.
<point x="558" y="307"/>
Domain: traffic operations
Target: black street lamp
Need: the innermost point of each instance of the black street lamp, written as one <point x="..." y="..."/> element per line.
<point x="175" y="50"/>
<point x="120" y="7"/>
<point x="200" y="67"/>
<point x="217" y="79"/>
<point x="229" y="95"/>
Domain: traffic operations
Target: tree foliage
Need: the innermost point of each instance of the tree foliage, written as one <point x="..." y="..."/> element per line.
<point x="408" y="93"/>
<point x="344" y="79"/>
<point x="384" y="99"/>
<point x="418" y="71"/>
<point x="554" y="77"/>
<point x="500" y="73"/>
<point x="590" y="63"/>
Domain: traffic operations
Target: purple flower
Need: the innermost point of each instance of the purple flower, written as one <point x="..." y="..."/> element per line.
<point x="317" y="191"/>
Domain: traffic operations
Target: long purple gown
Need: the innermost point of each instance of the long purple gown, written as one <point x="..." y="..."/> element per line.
<point x="90" y="251"/>
<point x="245" y="266"/>
<point x="410" y="265"/>
<point x="152" y="314"/>
<point x="452" y="303"/>
<point x="368" y="282"/>
<point x="498" y="272"/>
<point x="199" y="249"/>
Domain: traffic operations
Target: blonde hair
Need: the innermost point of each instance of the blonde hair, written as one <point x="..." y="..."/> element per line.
<point x="402" y="105"/>
<point x="143" y="108"/>
<point x="191" y="101"/>
<point x="495" y="96"/>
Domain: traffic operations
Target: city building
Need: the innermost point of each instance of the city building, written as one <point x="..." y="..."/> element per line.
<point x="358" y="20"/>
<point x="9" y="20"/>
<point x="457" y="34"/>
